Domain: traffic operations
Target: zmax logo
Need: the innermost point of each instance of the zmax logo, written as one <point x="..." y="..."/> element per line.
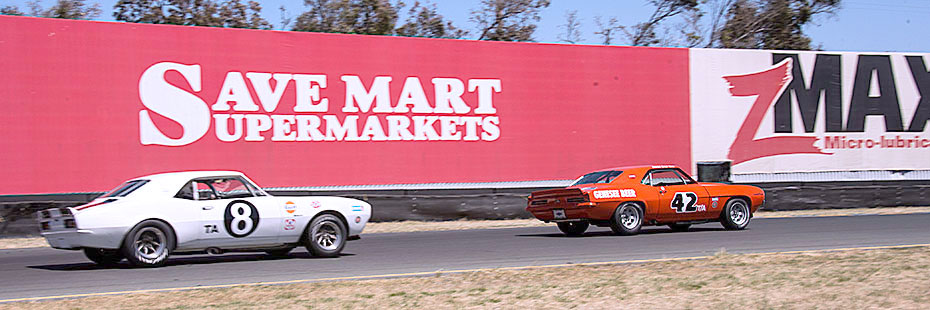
<point x="874" y="93"/>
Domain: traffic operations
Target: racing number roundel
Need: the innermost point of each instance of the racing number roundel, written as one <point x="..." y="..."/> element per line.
<point x="241" y="218"/>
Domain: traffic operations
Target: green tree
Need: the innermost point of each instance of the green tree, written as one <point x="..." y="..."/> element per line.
<point x="772" y="24"/>
<point x="235" y="14"/>
<point x="572" y="28"/>
<point x="141" y="11"/>
<point x="425" y="21"/>
<point x="507" y="20"/>
<point x="231" y="13"/>
<point x="743" y="29"/>
<point x="607" y="30"/>
<point x="11" y="10"/>
<point x="348" y="16"/>
<point x="68" y="9"/>
<point x="644" y="34"/>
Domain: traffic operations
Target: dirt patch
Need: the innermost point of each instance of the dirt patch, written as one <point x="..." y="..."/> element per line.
<point x="880" y="279"/>
<point x="24" y="242"/>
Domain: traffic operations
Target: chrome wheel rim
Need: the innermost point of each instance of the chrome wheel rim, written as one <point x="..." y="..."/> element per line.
<point x="739" y="213"/>
<point x="150" y="243"/>
<point x="327" y="235"/>
<point x="629" y="218"/>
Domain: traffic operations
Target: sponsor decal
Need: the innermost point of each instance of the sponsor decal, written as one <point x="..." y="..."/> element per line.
<point x="290" y="224"/>
<point x="210" y="229"/>
<point x="358" y="219"/>
<point x="613" y="193"/>
<point x="368" y="113"/>
<point x="357" y="208"/>
<point x="604" y="194"/>
<point x="713" y="201"/>
<point x="290" y="207"/>
<point x="315" y="204"/>
<point x="662" y="166"/>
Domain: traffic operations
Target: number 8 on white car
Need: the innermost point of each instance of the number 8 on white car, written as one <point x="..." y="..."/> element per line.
<point x="146" y="219"/>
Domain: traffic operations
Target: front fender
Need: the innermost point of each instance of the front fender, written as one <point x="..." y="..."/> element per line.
<point x="355" y="212"/>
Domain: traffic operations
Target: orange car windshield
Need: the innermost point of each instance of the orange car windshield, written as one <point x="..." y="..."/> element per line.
<point x="597" y="177"/>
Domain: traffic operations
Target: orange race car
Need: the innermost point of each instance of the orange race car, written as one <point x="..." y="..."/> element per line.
<point x="626" y="198"/>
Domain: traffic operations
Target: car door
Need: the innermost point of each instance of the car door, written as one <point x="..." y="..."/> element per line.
<point x="680" y="198"/>
<point x="231" y="214"/>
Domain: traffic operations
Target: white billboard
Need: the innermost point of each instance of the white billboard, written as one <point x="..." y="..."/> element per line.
<point x="790" y="111"/>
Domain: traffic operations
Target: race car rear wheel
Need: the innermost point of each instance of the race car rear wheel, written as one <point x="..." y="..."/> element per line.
<point x="148" y="244"/>
<point x="573" y="228"/>
<point x="679" y="227"/>
<point x="103" y="257"/>
<point x="627" y="219"/>
<point x="326" y="236"/>
<point x="735" y="215"/>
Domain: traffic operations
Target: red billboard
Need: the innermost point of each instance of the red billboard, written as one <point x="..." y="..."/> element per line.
<point x="88" y="104"/>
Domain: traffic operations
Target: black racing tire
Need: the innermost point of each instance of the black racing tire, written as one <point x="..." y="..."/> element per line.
<point x="148" y="244"/>
<point x="627" y="219"/>
<point x="573" y="229"/>
<point x="326" y="236"/>
<point x="679" y="227"/>
<point x="103" y="257"/>
<point x="279" y="252"/>
<point x="735" y="215"/>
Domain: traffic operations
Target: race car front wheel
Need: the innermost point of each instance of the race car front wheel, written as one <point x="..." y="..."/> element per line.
<point x="573" y="228"/>
<point x="103" y="257"/>
<point x="627" y="219"/>
<point x="326" y="236"/>
<point x="148" y="244"/>
<point x="735" y="215"/>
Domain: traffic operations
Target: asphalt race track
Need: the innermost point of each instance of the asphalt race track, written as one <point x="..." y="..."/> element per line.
<point x="41" y="272"/>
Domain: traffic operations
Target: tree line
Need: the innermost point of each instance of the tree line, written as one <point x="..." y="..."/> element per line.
<point x="746" y="24"/>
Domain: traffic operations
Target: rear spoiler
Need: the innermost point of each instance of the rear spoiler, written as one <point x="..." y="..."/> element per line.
<point x="559" y="192"/>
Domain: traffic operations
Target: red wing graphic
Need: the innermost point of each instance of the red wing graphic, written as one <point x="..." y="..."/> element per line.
<point x="768" y="85"/>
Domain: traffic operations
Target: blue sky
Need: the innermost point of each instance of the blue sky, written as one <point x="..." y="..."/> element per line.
<point x="860" y="25"/>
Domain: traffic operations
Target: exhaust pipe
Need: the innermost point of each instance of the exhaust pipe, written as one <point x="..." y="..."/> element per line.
<point x="214" y="251"/>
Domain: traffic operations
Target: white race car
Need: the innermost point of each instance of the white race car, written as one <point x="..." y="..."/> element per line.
<point x="147" y="218"/>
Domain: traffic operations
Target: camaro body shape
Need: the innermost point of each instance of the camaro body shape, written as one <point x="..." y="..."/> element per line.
<point x="664" y="195"/>
<point x="203" y="210"/>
